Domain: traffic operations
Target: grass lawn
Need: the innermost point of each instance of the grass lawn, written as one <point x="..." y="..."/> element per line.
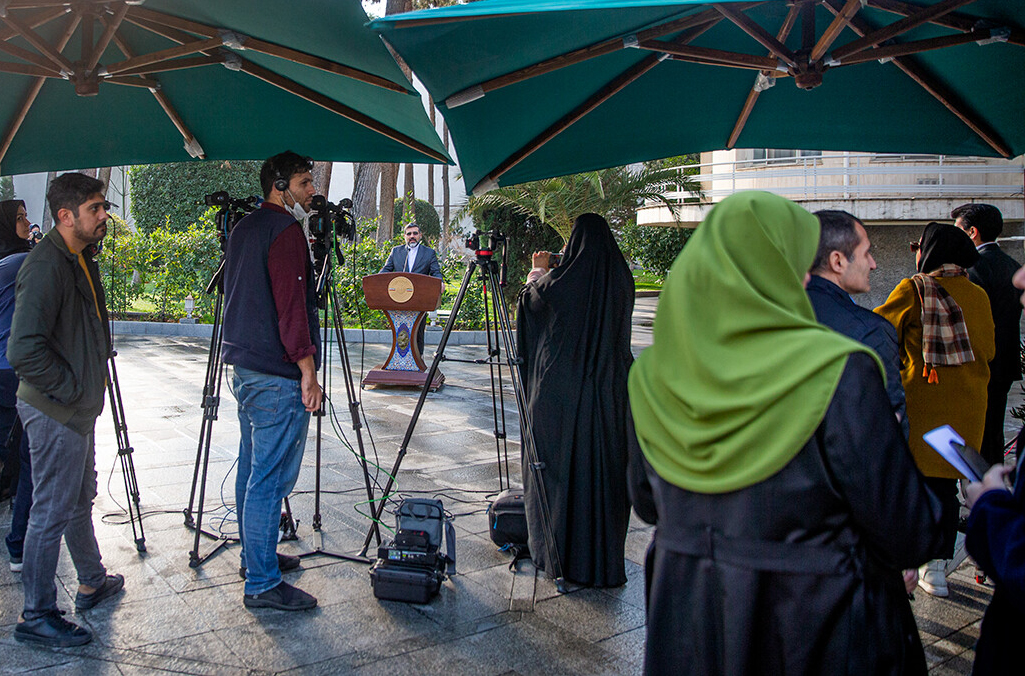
<point x="644" y="281"/>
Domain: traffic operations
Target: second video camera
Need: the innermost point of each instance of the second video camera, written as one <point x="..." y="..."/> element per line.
<point x="327" y="218"/>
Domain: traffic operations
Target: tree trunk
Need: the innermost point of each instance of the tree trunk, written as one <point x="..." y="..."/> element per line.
<point x="430" y="167"/>
<point x="385" y="226"/>
<point x="408" y="194"/>
<point x="390" y="172"/>
<point x="103" y="173"/>
<point x="446" y="206"/>
<point x="47" y="216"/>
<point x="322" y="177"/>
<point x="366" y="176"/>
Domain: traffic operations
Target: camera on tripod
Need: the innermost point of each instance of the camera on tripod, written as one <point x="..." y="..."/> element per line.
<point x="328" y="218"/>
<point x="494" y="237"/>
<point x="231" y="212"/>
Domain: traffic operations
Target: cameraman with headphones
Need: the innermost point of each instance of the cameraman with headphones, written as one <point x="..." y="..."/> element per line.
<point x="271" y="338"/>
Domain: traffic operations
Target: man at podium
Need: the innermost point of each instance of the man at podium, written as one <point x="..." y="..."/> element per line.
<point x="417" y="258"/>
<point x="413" y="256"/>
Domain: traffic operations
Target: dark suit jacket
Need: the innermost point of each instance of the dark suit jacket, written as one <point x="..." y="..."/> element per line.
<point x="993" y="273"/>
<point x="426" y="262"/>
<point x="834" y="308"/>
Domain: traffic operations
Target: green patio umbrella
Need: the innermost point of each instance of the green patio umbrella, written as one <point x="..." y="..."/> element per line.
<point x="88" y="83"/>
<point x="540" y="88"/>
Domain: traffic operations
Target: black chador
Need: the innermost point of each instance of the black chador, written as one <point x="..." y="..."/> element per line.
<point x="574" y="339"/>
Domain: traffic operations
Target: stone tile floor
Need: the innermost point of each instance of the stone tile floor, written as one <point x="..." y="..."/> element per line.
<point x="487" y="620"/>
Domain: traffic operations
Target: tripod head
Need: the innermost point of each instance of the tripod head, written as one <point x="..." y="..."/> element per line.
<point x="327" y="222"/>
<point x="230" y="213"/>
<point x="486" y="255"/>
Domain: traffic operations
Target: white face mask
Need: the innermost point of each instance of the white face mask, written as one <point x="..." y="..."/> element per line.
<point x="298" y="212"/>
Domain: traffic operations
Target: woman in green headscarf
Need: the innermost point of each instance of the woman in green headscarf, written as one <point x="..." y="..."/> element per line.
<point x="787" y="502"/>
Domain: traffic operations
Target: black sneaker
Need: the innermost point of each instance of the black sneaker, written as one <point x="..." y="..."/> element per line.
<point x="285" y="564"/>
<point x="111" y="585"/>
<point x="52" y="630"/>
<point x="282" y="597"/>
<point x="16" y="564"/>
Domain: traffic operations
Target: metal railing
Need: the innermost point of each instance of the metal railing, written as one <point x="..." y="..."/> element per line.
<point x="856" y="176"/>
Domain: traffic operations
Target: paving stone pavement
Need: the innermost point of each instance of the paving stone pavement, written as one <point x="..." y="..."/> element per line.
<point x="486" y="620"/>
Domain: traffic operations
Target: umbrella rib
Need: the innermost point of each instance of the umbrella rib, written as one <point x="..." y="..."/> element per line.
<point x="146" y="18"/>
<point x="326" y="102"/>
<point x="714" y="57"/>
<point x="763" y="37"/>
<point x="836" y="27"/>
<point x="752" y="96"/>
<point x="935" y="89"/>
<point x="177" y="64"/>
<point x="27" y="69"/>
<point x="908" y="48"/>
<point x="34" y="39"/>
<point x="605" y="93"/>
<point x="898" y="27"/>
<point x="192" y="144"/>
<point x="110" y="27"/>
<point x="33" y="92"/>
<point x="576" y="56"/>
<point x="26" y="55"/>
<point x="957" y="21"/>
<point x="165" y="55"/>
<point x="35" y="21"/>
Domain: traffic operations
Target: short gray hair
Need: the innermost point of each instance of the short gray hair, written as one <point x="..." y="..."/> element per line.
<point x="839" y="233"/>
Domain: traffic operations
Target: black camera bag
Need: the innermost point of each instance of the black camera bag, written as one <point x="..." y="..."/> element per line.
<point x="507" y="520"/>
<point x="412" y="567"/>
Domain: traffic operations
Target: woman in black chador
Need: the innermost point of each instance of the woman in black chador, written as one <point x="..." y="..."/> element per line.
<point x="574" y="340"/>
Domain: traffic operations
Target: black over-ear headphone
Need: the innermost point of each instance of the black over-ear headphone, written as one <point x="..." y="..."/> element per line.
<point x="280" y="183"/>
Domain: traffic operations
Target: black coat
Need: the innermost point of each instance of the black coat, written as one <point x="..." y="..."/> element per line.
<point x="834" y="307"/>
<point x="574" y="341"/>
<point x="798" y="574"/>
<point x="993" y="273"/>
<point x="996" y="540"/>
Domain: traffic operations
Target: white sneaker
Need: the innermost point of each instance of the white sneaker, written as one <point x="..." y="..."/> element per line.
<point x="932" y="578"/>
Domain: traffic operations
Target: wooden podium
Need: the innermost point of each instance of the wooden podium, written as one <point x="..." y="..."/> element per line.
<point x="406" y="298"/>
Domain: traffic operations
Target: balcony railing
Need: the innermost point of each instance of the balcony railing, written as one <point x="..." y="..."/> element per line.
<point x="857" y="176"/>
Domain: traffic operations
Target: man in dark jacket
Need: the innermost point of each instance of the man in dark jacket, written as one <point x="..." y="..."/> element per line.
<point x="271" y="339"/>
<point x="59" y="345"/>
<point x="993" y="273"/>
<point x="841" y="268"/>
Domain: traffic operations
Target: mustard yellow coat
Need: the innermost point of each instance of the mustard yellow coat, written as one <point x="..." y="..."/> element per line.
<point x="959" y="398"/>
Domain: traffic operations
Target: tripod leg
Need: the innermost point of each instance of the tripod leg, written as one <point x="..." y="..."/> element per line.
<point x="124" y="452"/>
<point x="213" y="374"/>
<point x="350" y="393"/>
<point x="527" y="436"/>
<point x="378" y="509"/>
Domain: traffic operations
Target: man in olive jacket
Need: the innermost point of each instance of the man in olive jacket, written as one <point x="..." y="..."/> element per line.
<point x="59" y="345"/>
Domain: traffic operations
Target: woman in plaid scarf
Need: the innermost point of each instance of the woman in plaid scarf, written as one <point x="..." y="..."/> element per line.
<point x="945" y="330"/>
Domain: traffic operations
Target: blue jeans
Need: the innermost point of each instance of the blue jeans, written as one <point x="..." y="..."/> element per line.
<point x="64" y="477"/>
<point x="22" y="503"/>
<point x="273" y="423"/>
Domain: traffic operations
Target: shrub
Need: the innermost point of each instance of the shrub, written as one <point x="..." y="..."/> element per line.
<point x="425" y="215"/>
<point x="171" y="195"/>
<point x="654" y="248"/>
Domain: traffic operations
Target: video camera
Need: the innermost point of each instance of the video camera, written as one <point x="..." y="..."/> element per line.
<point x="327" y="218"/>
<point x="231" y="212"/>
<point x="485" y="256"/>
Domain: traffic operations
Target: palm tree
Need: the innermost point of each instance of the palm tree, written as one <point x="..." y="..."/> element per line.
<point x="615" y="193"/>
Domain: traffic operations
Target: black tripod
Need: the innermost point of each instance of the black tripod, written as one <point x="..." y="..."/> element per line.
<point x="490" y="276"/>
<point x="124" y="453"/>
<point x="328" y="302"/>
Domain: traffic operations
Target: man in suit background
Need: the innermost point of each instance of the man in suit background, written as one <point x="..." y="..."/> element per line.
<point x="417" y="258"/>
<point x="413" y="256"/>
<point x="993" y="273"/>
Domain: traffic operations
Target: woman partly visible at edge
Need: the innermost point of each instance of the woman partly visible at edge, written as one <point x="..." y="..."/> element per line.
<point x="786" y="500"/>
<point x="945" y="379"/>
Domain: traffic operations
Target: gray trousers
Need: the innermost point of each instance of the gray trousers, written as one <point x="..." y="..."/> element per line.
<point x="64" y="479"/>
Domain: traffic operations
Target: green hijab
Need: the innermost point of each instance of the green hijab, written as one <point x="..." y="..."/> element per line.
<point x="740" y="374"/>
